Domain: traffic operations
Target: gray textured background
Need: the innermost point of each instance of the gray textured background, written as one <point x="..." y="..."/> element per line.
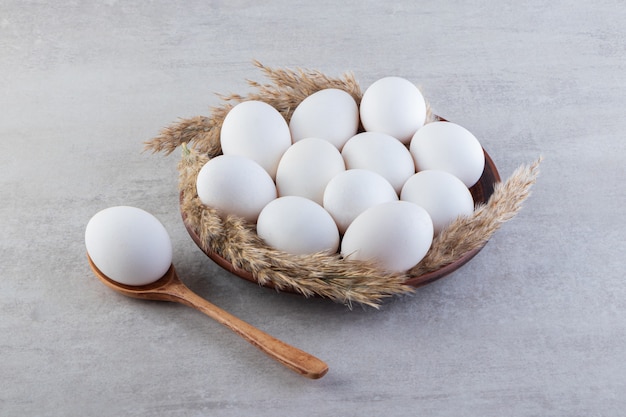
<point x="534" y="326"/>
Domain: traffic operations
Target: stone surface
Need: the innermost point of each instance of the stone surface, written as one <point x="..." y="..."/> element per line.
<point x="535" y="325"/>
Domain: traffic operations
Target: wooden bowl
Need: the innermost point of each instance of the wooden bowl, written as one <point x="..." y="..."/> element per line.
<point x="481" y="192"/>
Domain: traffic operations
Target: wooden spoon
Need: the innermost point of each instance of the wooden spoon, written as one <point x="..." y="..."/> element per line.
<point x="171" y="288"/>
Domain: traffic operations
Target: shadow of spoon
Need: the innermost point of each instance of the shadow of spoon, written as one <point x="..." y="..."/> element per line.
<point x="171" y="288"/>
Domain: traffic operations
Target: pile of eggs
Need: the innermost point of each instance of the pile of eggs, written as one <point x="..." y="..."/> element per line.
<point x="319" y="184"/>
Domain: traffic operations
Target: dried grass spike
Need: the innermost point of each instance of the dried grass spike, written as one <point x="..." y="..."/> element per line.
<point x="182" y="131"/>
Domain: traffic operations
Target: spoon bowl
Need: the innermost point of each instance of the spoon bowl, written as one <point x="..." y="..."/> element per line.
<point x="170" y="288"/>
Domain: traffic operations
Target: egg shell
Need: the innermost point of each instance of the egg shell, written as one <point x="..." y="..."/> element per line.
<point x="329" y="114"/>
<point x="395" y="235"/>
<point x="352" y="192"/>
<point x="128" y="245"/>
<point x="256" y="130"/>
<point x="307" y="167"/>
<point x="395" y="106"/>
<point x="441" y="194"/>
<point x="449" y="147"/>
<point x="235" y="185"/>
<point x="382" y="154"/>
<point x="298" y="226"/>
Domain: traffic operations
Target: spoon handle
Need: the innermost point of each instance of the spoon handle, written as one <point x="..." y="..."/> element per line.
<point x="293" y="358"/>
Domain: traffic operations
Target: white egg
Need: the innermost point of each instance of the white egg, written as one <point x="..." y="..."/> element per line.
<point x="298" y="226"/>
<point x="235" y="185"/>
<point x="382" y="154"/>
<point x="307" y="167"/>
<point x="256" y="130"/>
<point x="352" y="192"/>
<point x="441" y="194"/>
<point x="395" y="235"/>
<point x="128" y="245"/>
<point x="329" y="114"/>
<point x="395" y="106"/>
<point x="448" y="147"/>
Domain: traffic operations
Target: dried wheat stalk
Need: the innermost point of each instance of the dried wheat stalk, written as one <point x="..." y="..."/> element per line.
<point x="319" y="274"/>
